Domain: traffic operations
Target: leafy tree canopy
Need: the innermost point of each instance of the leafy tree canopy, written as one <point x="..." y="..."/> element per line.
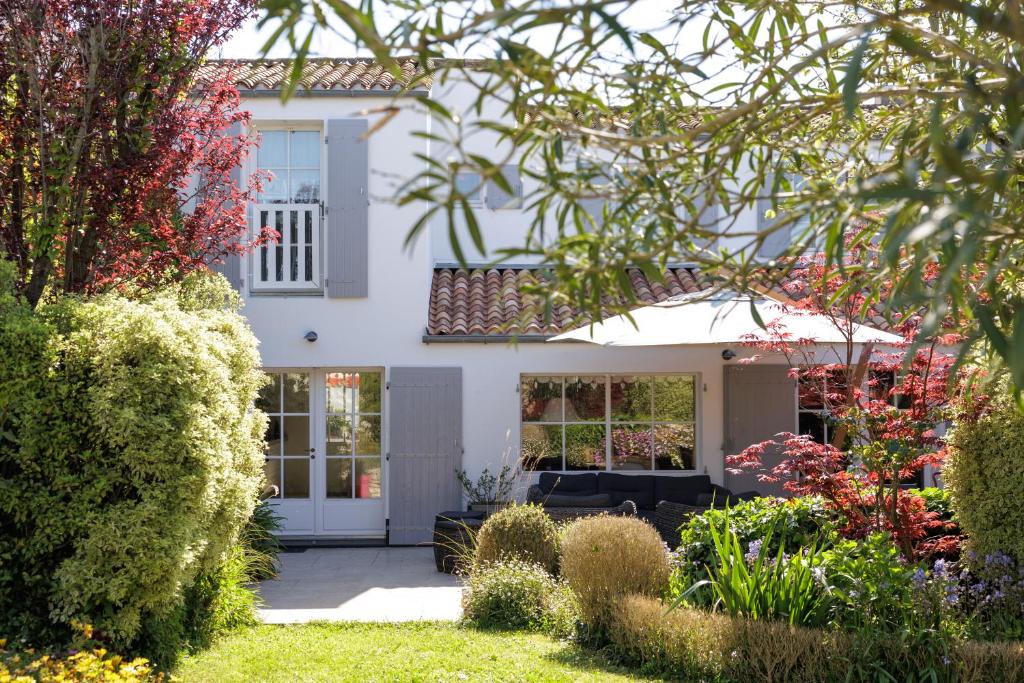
<point x="904" y="120"/>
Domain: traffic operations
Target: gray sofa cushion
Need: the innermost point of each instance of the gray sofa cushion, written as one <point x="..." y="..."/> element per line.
<point x="638" y="488"/>
<point x="579" y="484"/>
<point x="568" y="500"/>
<point x="682" y="489"/>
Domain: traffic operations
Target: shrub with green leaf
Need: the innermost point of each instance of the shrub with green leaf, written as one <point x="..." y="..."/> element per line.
<point x="518" y="532"/>
<point x="130" y="455"/>
<point x="758" y="584"/>
<point x="793" y="524"/>
<point x="513" y="594"/>
<point x="985" y="471"/>
<point x="605" y="558"/>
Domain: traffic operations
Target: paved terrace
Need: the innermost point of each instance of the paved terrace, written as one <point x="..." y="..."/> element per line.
<point x="360" y="584"/>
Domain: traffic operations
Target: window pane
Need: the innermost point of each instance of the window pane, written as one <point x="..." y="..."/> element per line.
<point x="469" y="185"/>
<point x="541" y="447"/>
<point x="339" y="435"/>
<point x="542" y="399"/>
<point x="272" y="472"/>
<point x="811" y="393"/>
<point x="296" y="435"/>
<point x="269" y="399"/>
<point x="339" y="477"/>
<point x="367" y="477"/>
<point x="813" y="424"/>
<point x="631" y="398"/>
<point x="275" y="189"/>
<point x="273" y="436"/>
<point x="339" y="392"/>
<point x="584" y="399"/>
<point x="272" y="152"/>
<point x="673" y="399"/>
<point x="368" y="435"/>
<point x="305" y="187"/>
<point x="584" y="447"/>
<point x="296" y="392"/>
<point x="631" y="447"/>
<point x="296" y="478"/>
<point x="674" y="447"/>
<point x="305" y="148"/>
<point x="367" y="387"/>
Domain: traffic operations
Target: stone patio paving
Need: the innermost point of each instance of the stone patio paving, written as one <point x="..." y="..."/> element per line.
<point x="360" y="584"/>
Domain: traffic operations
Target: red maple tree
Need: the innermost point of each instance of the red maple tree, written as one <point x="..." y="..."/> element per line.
<point x="115" y="160"/>
<point x="883" y="408"/>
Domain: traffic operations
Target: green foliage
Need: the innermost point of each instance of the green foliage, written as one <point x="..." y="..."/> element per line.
<point x="93" y="664"/>
<point x="936" y="500"/>
<point x="131" y="456"/>
<point x="776" y="525"/>
<point x="513" y="594"/>
<point x="259" y="540"/>
<point x="985" y="471"/>
<point x="518" y="532"/>
<point x="605" y="558"/>
<point x="894" y="609"/>
<point x="488" y="488"/>
<point x="759" y="586"/>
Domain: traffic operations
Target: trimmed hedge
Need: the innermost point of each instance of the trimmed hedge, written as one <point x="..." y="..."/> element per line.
<point x="985" y="472"/>
<point x="518" y="532"/>
<point x="130" y="455"/>
<point x="605" y="558"/>
<point x="697" y="645"/>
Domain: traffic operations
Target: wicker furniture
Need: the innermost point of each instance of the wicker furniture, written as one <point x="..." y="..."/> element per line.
<point x="668" y="517"/>
<point x="626" y="508"/>
<point x="453" y="539"/>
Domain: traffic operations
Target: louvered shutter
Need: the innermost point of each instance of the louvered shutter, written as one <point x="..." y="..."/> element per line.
<point x="348" y="178"/>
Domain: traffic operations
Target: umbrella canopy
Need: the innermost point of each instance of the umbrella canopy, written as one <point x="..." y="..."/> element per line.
<point x="723" y="318"/>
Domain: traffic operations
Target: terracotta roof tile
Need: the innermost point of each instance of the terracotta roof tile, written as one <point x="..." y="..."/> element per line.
<point x="482" y="302"/>
<point x="323" y="74"/>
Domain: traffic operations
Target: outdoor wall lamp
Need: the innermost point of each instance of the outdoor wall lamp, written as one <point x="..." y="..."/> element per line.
<point x="311" y="336"/>
<point x="728" y="354"/>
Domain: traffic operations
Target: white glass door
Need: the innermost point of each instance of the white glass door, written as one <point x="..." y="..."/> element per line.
<point x="350" y="469"/>
<point x="289" y="453"/>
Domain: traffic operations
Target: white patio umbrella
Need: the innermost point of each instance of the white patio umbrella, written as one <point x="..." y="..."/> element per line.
<point x="722" y="318"/>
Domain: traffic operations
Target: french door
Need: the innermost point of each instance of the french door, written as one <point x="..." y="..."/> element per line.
<point x="324" y="451"/>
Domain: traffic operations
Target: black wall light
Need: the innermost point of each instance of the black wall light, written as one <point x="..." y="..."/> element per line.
<point x="728" y="354"/>
<point x="311" y="336"/>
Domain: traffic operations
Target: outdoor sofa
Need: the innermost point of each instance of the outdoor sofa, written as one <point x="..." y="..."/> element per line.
<point x="666" y="501"/>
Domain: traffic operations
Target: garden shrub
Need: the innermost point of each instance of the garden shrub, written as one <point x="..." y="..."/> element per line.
<point x="605" y="558"/>
<point x="95" y="664"/>
<point x="984" y="471"/>
<point x="130" y="453"/>
<point x="696" y="645"/>
<point x="794" y="524"/>
<point x="518" y="532"/>
<point x="987" y="593"/>
<point x="514" y="594"/>
<point x="989" y="662"/>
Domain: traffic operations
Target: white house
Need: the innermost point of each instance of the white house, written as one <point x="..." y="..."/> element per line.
<point x="391" y="367"/>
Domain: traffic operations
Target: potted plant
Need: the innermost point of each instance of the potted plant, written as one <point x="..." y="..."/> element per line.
<point x="489" y="493"/>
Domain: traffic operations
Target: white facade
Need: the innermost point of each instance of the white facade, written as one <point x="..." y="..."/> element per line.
<point x="385" y="329"/>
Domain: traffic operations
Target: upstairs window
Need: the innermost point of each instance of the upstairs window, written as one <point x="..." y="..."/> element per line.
<point x="290" y="205"/>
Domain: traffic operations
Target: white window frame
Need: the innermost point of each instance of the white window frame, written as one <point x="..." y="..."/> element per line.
<point x="608" y="423"/>
<point x="477" y="201"/>
<point x="286" y="285"/>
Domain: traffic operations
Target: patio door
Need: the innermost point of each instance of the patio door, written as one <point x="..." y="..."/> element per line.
<point x="350" y="463"/>
<point x="324" y="451"/>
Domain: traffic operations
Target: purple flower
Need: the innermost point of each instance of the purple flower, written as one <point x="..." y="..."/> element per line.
<point x="919" y="577"/>
<point x="940" y="568"/>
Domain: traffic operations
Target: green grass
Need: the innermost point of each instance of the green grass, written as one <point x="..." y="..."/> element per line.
<point x="394" y="652"/>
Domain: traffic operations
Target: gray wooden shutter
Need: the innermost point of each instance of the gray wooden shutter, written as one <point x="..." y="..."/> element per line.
<point x="231" y="268"/>
<point x="424" y="451"/>
<point x="497" y="198"/>
<point x="778" y="241"/>
<point x="760" y="402"/>
<point x="348" y="229"/>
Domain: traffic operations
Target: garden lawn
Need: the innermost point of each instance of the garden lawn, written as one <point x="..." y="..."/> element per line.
<point x="394" y="652"/>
